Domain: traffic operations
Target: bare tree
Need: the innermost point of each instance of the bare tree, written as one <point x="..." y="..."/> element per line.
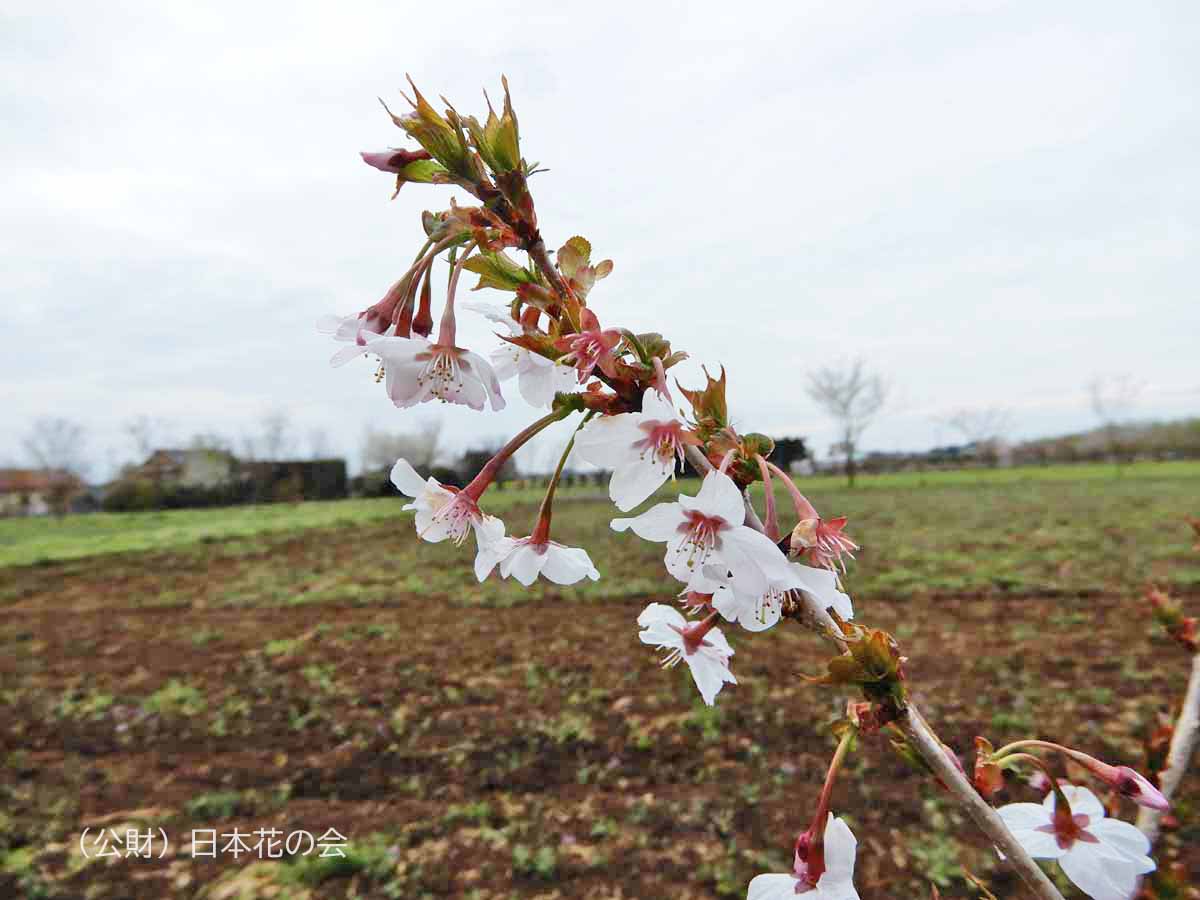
<point x="318" y="443"/>
<point x="852" y="397"/>
<point x="381" y="449"/>
<point x="147" y="434"/>
<point x="985" y="428"/>
<point x="276" y="441"/>
<point x="1113" y="400"/>
<point x="210" y="440"/>
<point x="57" y="446"/>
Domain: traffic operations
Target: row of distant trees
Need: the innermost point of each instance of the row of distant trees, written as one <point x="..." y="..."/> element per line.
<point x="854" y="397"/>
<point x="850" y="394"/>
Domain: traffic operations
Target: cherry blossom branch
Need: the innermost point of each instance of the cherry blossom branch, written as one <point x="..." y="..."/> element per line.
<point x="920" y="735"/>
<point x="1183" y="745"/>
<point x="922" y="739"/>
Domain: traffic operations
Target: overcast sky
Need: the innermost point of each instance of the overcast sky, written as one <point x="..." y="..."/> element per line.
<point x="991" y="202"/>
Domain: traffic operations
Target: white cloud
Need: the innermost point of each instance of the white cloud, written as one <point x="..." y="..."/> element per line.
<point x="993" y="202"/>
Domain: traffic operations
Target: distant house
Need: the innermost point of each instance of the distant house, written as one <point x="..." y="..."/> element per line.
<point x="36" y="492"/>
<point x="202" y="468"/>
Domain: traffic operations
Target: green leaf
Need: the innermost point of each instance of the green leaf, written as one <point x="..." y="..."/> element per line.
<point x="496" y="270"/>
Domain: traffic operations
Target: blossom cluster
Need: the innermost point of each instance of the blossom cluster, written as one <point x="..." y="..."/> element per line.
<point x="731" y="567"/>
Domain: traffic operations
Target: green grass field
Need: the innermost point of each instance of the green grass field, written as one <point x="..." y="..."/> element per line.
<point x="1046" y="529"/>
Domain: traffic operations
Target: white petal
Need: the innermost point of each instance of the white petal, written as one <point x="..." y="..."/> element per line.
<point x="494" y="311"/>
<point x="726" y="602"/>
<point x="506" y="361"/>
<point x="1023" y="820"/>
<point x="1125" y="840"/>
<point x="762" y="550"/>
<point x="1097" y="876"/>
<point x="661" y="614"/>
<point x="406" y="479"/>
<point x="402" y="383"/>
<point x="487" y="378"/>
<point x="659" y="523"/>
<point x="709" y="674"/>
<point x="764" y="613"/>
<point x="1024" y="815"/>
<point x="524" y="563"/>
<point x="488" y="530"/>
<point x="773" y="887"/>
<point x="656" y="408"/>
<point x="719" y="497"/>
<point x="634" y="481"/>
<point x="471" y="392"/>
<point x="567" y="565"/>
<point x="749" y="581"/>
<point x="822" y="586"/>
<point x="490" y="553"/>
<point x="841" y="847"/>
<point x="346" y="354"/>
<point x="608" y="441"/>
<point x="330" y="324"/>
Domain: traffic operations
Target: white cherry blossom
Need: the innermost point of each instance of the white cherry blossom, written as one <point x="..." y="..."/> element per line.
<point x="760" y="611"/>
<point x="417" y="370"/>
<point x="707" y="530"/>
<point x="702" y="647"/>
<point x="641" y="448"/>
<point x="443" y="513"/>
<point x="538" y="378"/>
<point x="1102" y="856"/>
<point x="524" y="559"/>
<point x="835" y="883"/>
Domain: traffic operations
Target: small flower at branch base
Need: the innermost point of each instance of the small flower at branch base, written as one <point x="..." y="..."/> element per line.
<point x="442" y="512"/>
<point x="988" y="777"/>
<point x="538" y="378"/>
<point x="591" y="348"/>
<point x="823" y="543"/>
<point x="836" y="882"/>
<point x="703" y="647"/>
<point x="418" y="370"/>
<point x="415" y="166"/>
<point x="641" y="448"/>
<point x="524" y="559"/>
<point x="707" y="530"/>
<point x="1122" y="779"/>
<point x="1103" y="857"/>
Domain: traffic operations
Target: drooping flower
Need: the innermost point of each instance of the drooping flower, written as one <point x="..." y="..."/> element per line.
<point x="443" y="512"/>
<point x="526" y="558"/>
<point x="823" y="542"/>
<point x="641" y="448"/>
<point x="703" y="647"/>
<point x="759" y="612"/>
<point x="418" y="370"/>
<point x="707" y="530"/>
<point x="836" y="882"/>
<point x="1102" y="856"/>
<point x="590" y="348"/>
<point x="538" y="378"/>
